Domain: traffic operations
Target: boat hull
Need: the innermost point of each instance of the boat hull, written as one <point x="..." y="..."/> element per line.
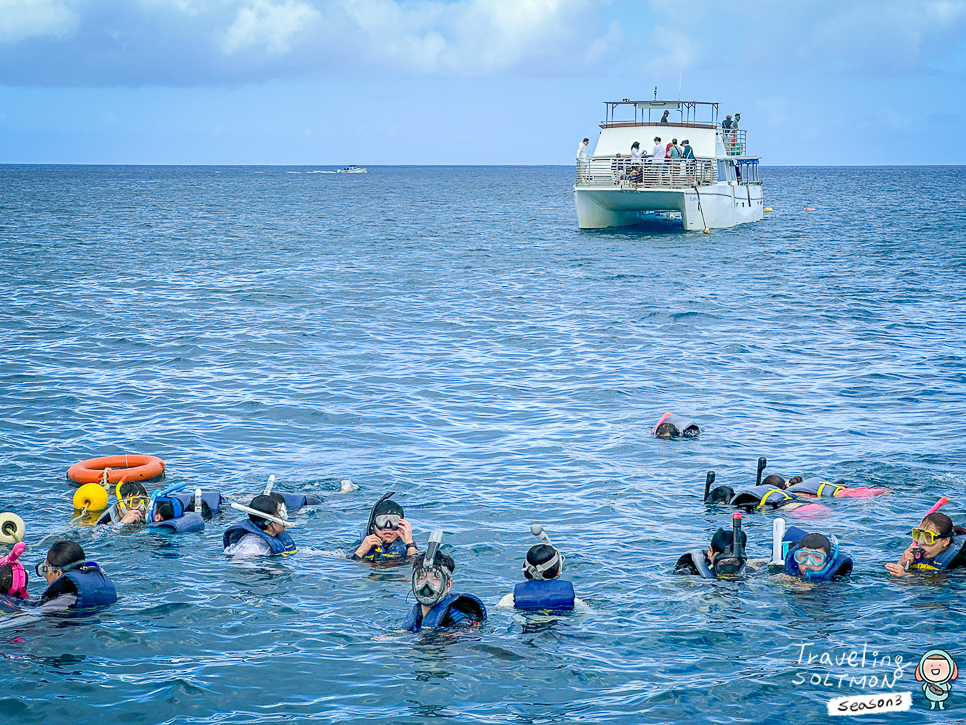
<point x="715" y="206"/>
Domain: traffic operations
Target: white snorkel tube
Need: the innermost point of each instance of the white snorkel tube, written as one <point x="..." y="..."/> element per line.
<point x="270" y="485"/>
<point x="536" y="570"/>
<point x="777" y="550"/>
<point x="262" y="515"/>
<point x="427" y="592"/>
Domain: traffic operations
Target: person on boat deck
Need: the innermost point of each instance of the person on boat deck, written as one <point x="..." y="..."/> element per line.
<point x="543" y="588"/>
<point x="664" y="117"/>
<point x="582" y="149"/>
<point x="937" y="545"/>
<point x="814" y="557"/>
<point x="131" y="506"/>
<point x="657" y="152"/>
<point x="436" y="606"/>
<point x="717" y="560"/>
<point x="390" y="536"/>
<point x="13" y="580"/>
<point x="727" y="124"/>
<point x="734" y="122"/>
<point x="258" y="536"/>
<point x="819" y="487"/>
<point x="72" y="581"/>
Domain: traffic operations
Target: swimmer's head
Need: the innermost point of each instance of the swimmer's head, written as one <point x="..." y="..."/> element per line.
<point x="774" y="480"/>
<point x="61" y="557"/>
<point x="721" y="495"/>
<point x="543" y="562"/>
<point x="164" y="511"/>
<point x="432" y="579"/>
<point x="131" y="488"/>
<point x="724" y="559"/>
<point x="268" y="505"/>
<point x="724" y="540"/>
<point x="814" y="554"/>
<point x="385" y="520"/>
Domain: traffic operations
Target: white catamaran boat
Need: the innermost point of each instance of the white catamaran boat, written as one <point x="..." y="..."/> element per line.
<point x="351" y="170"/>
<point x="719" y="187"/>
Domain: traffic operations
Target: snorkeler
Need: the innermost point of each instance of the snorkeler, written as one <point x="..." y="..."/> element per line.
<point x="722" y="558"/>
<point x="818" y="487"/>
<point x="13" y="579"/>
<point x="388" y="536"/>
<point x="72" y="581"/>
<point x="676" y="426"/>
<point x="814" y="557"/>
<point x="131" y="506"/>
<point x="263" y="533"/>
<point x="762" y="497"/>
<point x="435" y="605"/>
<point x="543" y="589"/>
<point x="937" y="545"/>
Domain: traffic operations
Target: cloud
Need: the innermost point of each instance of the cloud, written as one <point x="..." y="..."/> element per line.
<point x="270" y="27"/>
<point x="22" y="19"/>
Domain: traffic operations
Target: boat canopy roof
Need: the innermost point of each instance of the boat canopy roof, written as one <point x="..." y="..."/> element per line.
<point x="692" y="113"/>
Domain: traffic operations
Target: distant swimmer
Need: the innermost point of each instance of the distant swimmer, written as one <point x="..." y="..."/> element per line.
<point x="13" y="580"/>
<point x="814" y="557"/>
<point x="544" y="590"/>
<point x="263" y="533"/>
<point x="131" y="506"/>
<point x="676" y="426"/>
<point x="936" y="546"/>
<point x="72" y="581"/>
<point x="818" y="487"/>
<point x="436" y="606"/>
<point x="722" y="558"/>
<point x="387" y="536"/>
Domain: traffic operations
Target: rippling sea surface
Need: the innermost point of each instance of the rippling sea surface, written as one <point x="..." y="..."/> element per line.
<point x="449" y="334"/>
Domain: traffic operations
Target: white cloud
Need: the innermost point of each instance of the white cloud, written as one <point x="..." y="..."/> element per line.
<point x="270" y="27"/>
<point x="22" y="19"/>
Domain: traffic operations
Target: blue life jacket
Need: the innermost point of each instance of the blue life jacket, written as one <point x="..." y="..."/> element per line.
<point x="452" y="610"/>
<point x="396" y="550"/>
<point x="183" y="524"/>
<point x="295" y="501"/>
<point x="815" y="486"/>
<point x="839" y="565"/>
<point x="695" y="560"/>
<point x="758" y="497"/>
<point x="281" y="544"/>
<point x="92" y="586"/>
<point x="187" y="500"/>
<point x="551" y="594"/>
<point x="944" y="558"/>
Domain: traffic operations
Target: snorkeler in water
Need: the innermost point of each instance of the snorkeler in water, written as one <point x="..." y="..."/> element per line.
<point x="130" y="508"/>
<point x="817" y="487"/>
<point x="13" y="580"/>
<point x="676" y="426"/>
<point x="388" y="535"/>
<point x="72" y="581"/>
<point x="263" y="533"/>
<point x="814" y="557"/>
<point x="722" y="558"/>
<point x="937" y="545"/>
<point x="762" y="497"/>
<point x="543" y="590"/>
<point x="436" y="606"/>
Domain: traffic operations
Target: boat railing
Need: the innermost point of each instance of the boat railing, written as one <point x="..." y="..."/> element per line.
<point x="622" y="172"/>
<point x="735" y="141"/>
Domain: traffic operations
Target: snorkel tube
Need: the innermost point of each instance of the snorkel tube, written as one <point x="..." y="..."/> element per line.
<point x="762" y="462"/>
<point x="425" y="593"/>
<point x="707" y="485"/>
<point x="270" y="485"/>
<point x="261" y="514"/>
<point x="372" y="517"/>
<point x="777" y="547"/>
<point x="915" y="544"/>
<point x="731" y="564"/>
<point x="153" y="503"/>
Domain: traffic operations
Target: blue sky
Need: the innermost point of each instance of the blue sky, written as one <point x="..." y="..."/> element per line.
<point x="334" y="82"/>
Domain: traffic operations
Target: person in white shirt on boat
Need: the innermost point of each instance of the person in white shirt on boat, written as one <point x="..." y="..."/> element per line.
<point x="657" y="161"/>
<point x="582" y="162"/>
<point x="636" y="169"/>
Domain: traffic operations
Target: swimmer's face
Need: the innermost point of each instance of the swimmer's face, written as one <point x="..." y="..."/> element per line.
<point x="936" y="669"/>
<point x="934" y="549"/>
<point x="814" y="560"/>
<point x="387" y="535"/>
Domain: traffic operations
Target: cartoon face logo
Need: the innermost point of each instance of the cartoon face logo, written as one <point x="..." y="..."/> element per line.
<point x="935" y="671"/>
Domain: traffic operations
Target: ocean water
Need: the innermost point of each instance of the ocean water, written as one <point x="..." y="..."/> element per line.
<point x="449" y="334"/>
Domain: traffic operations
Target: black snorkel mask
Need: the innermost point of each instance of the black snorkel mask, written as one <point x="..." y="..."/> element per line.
<point x="430" y="578"/>
<point x="372" y="513"/>
<point x="731" y="564"/>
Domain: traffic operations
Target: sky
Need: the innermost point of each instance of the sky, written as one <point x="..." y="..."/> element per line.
<point x="371" y="82"/>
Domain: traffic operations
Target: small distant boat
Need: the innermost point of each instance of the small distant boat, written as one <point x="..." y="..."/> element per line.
<point x="352" y="170"/>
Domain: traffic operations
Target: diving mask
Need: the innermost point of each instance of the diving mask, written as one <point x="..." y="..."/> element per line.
<point x="133" y="503"/>
<point x="387" y="522"/>
<point x="431" y="579"/>
<point x="536" y="570"/>
<point x="813" y="557"/>
<point x="925" y="537"/>
<point x="729" y="566"/>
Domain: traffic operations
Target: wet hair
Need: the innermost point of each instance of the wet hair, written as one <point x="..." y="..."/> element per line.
<point x="816" y="541"/>
<point x="440" y="559"/>
<point x="388" y="508"/>
<point x="541" y="554"/>
<point x="943" y="524"/>
<point x="65" y="553"/>
<point x="6" y="578"/>
<point x="165" y="509"/>
<point x="265" y="504"/>
<point x="132" y="488"/>
<point x="724" y="540"/>
<point x="794" y="479"/>
<point x="721" y="494"/>
<point x="774" y="480"/>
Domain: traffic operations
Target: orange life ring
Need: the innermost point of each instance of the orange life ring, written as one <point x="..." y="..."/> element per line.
<point x="131" y="468"/>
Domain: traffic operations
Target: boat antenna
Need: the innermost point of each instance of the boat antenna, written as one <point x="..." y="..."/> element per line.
<point x="655" y="93"/>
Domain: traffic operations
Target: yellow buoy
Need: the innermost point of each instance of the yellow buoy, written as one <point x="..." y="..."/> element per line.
<point x="707" y="231"/>
<point x="12" y="528"/>
<point x="767" y="208"/>
<point x="91" y="496"/>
